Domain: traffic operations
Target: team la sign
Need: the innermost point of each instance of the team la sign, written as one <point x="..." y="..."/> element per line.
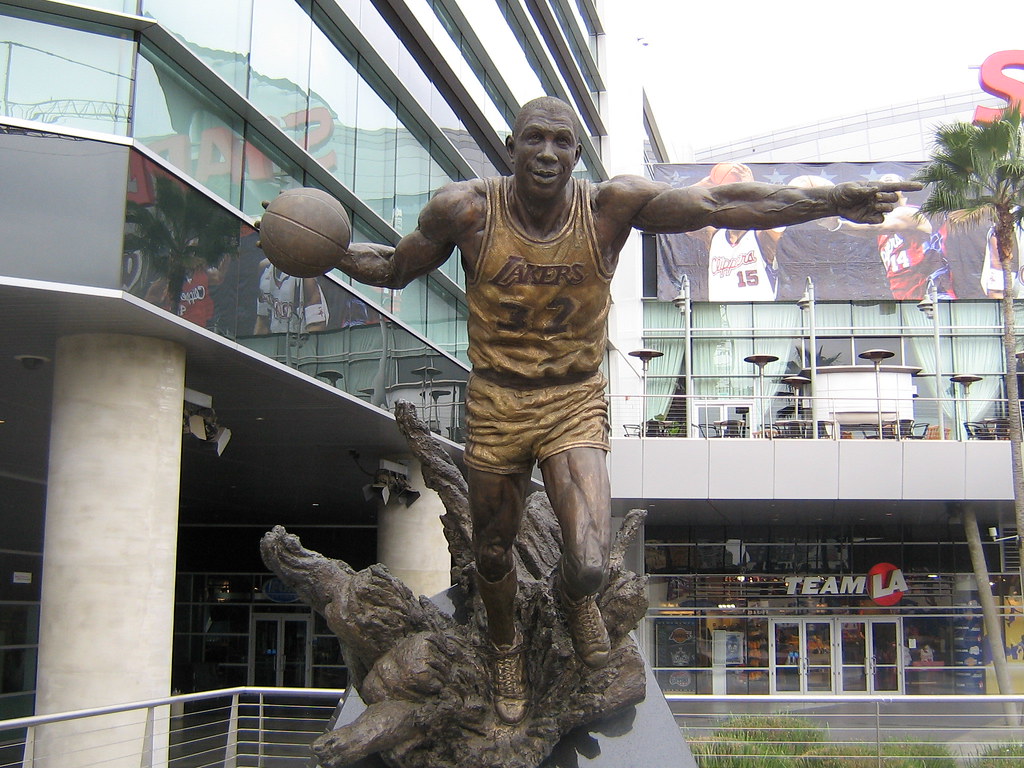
<point x="884" y="584"/>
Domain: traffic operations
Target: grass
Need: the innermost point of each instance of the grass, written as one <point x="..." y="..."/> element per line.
<point x="780" y="741"/>
<point x="1007" y="755"/>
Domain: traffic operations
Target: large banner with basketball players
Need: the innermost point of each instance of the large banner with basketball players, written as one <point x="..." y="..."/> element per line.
<point x="897" y="259"/>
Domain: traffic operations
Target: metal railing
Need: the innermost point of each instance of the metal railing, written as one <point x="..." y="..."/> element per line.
<point x="273" y="728"/>
<point x="863" y="417"/>
<point x="230" y="728"/>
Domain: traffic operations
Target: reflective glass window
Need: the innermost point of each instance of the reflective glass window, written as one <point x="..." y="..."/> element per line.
<point x="279" y="62"/>
<point x="453" y="268"/>
<point x="118" y="6"/>
<point x="218" y="33"/>
<point x="268" y="172"/>
<point x="376" y="145"/>
<point x="446" y="320"/>
<point x="496" y="34"/>
<point x="182" y="123"/>
<point x="574" y="46"/>
<point x="521" y="36"/>
<point x="19" y="624"/>
<point x="73" y="76"/>
<point x="186" y="254"/>
<point x="17" y="669"/>
<point x="362" y="232"/>
<point x="333" y="83"/>
<point x="398" y="58"/>
<point x="410" y="304"/>
<point x="445" y="35"/>
<point x="418" y="173"/>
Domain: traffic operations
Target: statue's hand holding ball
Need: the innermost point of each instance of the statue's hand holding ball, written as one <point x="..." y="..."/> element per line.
<point x="305" y="232"/>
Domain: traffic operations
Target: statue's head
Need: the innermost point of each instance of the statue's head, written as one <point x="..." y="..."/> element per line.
<point x="544" y="146"/>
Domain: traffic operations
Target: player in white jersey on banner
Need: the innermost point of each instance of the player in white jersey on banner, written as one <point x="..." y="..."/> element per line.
<point x="741" y="262"/>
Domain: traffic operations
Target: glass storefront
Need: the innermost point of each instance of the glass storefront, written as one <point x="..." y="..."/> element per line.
<point x="250" y="629"/>
<point x="943" y="652"/>
<point x="828" y="615"/>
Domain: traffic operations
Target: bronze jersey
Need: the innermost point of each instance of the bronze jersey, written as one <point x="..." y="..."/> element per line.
<point x="538" y="309"/>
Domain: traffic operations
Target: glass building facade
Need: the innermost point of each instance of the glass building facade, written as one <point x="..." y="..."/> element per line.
<point x="145" y="137"/>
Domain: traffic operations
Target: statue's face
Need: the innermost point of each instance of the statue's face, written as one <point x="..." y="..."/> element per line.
<point x="544" y="151"/>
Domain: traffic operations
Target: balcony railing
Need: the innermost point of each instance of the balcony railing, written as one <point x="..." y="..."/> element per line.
<point x="228" y="728"/>
<point x="273" y="727"/>
<point x="862" y="417"/>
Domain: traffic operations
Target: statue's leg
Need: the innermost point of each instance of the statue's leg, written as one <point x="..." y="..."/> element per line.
<point x="381" y="726"/>
<point x="577" y="485"/>
<point x="496" y="505"/>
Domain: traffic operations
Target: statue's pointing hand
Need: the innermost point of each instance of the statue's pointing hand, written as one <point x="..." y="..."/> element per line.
<point x="868" y="202"/>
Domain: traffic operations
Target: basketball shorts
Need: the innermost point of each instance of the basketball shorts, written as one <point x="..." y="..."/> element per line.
<point x="508" y="429"/>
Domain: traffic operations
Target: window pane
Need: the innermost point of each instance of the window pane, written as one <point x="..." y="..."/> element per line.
<point x="17" y="669"/>
<point x="446" y="319"/>
<point x="218" y="33"/>
<point x="418" y="174"/>
<point x="186" y="254"/>
<point x="19" y="624"/>
<point x="267" y="173"/>
<point x="187" y="127"/>
<point x="279" y="74"/>
<point x="376" y="139"/>
<point x="333" y="83"/>
<point x="79" y="77"/>
<point x="85" y="181"/>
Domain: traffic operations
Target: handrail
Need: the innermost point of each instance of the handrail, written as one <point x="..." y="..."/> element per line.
<point x="33" y="720"/>
<point x="859" y="415"/>
<point x="855" y="725"/>
<point x="857" y="698"/>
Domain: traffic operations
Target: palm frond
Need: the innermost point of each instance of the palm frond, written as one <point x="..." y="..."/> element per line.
<point x="970" y="218"/>
<point x="975" y="168"/>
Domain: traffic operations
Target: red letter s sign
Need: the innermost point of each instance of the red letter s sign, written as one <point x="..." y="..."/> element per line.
<point x="995" y="82"/>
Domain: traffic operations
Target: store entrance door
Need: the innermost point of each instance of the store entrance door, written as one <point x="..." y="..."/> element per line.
<point x="871" y="656"/>
<point x="280" y="650"/>
<point x="824" y="656"/>
<point x="801" y="656"/>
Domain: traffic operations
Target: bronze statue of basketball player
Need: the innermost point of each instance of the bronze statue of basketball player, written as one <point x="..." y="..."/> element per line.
<point x="539" y="250"/>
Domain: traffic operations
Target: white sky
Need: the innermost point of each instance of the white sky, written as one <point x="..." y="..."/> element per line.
<point x="717" y="71"/>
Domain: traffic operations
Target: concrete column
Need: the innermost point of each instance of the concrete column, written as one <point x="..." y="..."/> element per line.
<point x="110" y="537"/>
<point x="410" y="540"/>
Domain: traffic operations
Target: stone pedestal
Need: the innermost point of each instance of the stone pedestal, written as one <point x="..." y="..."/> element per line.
<point x="640" y="736"/>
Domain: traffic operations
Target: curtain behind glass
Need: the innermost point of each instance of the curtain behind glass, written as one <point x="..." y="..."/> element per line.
<point x="663" y="372"/>
<point x="934" y="391"/>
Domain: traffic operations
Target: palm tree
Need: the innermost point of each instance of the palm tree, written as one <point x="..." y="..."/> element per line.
<point x="180" y="232"/>
<point x="977" y="172"/>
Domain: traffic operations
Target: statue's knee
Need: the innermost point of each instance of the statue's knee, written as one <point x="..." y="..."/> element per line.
<point x="584" y="577"/>
<point x="493" y="562"/>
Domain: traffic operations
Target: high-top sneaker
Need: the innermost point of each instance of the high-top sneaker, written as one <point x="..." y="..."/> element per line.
<point x="508" y="681"/>
<point x="587" y="629"/>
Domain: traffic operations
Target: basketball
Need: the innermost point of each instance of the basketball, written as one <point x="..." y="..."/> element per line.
<point x="304" y="232"/>
<point x="727" y="173"/>
<point x="806" y="182"/>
